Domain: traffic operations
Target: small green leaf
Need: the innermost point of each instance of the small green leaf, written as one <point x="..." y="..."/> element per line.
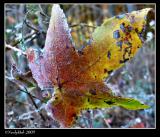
<point x="94" y="102"/>
<point x="130" y="103"/>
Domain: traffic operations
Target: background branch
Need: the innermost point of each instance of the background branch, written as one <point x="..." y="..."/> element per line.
<point x="15" y="49"/>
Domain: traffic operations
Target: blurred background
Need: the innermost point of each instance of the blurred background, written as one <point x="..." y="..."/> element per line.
<point x="26" y="26"/>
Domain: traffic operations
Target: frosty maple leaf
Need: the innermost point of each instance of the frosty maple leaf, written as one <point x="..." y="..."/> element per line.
<point x="78" y="77"/>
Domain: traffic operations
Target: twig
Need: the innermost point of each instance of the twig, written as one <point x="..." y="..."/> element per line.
<point x="13" y="100"/>
<point x="42" y="12"/>
<point x="14" y="81"/>
<point x="82" y="25"/>
<point x="27" y="74"/>
<point x="24" y="22"/>
<point x="26" y="91"/>
<point x="15" y="49"/>
<point x="106" y="122"/>
<point x="89" y="117"/>
<point x="30" y="96"/>
<point x="25" y="38"/>
<point x="36" y="31"/>
<point x="31" y="27"/>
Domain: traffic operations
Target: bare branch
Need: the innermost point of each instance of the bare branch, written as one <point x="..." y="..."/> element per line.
<point x="12" y="79"/>
<point x="42" y="12"/>
<point x="24" y="89"/>
<point x="25" y="38"/>
<point x="35" y="104"/>
<point x="106" y="122"/>
<point x="31" y="27"/>
<point x="82" y="25"/>
<point x="30" y="94"/>
<point x="15" y="49"/>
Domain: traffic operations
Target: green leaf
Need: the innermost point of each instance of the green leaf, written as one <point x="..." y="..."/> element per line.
<point x="107" y="101"/>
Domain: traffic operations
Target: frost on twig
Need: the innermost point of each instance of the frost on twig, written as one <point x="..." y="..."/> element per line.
<point x="15" y="49"/>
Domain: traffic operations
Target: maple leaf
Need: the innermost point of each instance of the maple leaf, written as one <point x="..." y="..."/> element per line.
<point x="78" y="77"/>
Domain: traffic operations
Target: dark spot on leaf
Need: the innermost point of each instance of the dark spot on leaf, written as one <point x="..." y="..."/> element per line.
<point x="74" y="115"/>
<point x="109" y="72"/>
<point x="88" y="100"/>
<point x="141" y="37"/>
<point x="136" y="30"/>
<point x="73" y="48"/>
<point x="128" y="43"/>
<point x="123" y="61"/>
<point x="80" y="52"/>
<point x="130" y="28"/>
<point x="109" y="54"/>
<point x="72" y="104"/>
<point x="92" y="91"/>
<point x="119" y="44"/>
<point x="122" y="27"/>
<point x="132" y="19"/>
<point x="116" y="34"/>
<point x="109" y="102"/>
<point x="60" y="86"/>
<point x="129" y="100"/>
<point x="105" y="71"/>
